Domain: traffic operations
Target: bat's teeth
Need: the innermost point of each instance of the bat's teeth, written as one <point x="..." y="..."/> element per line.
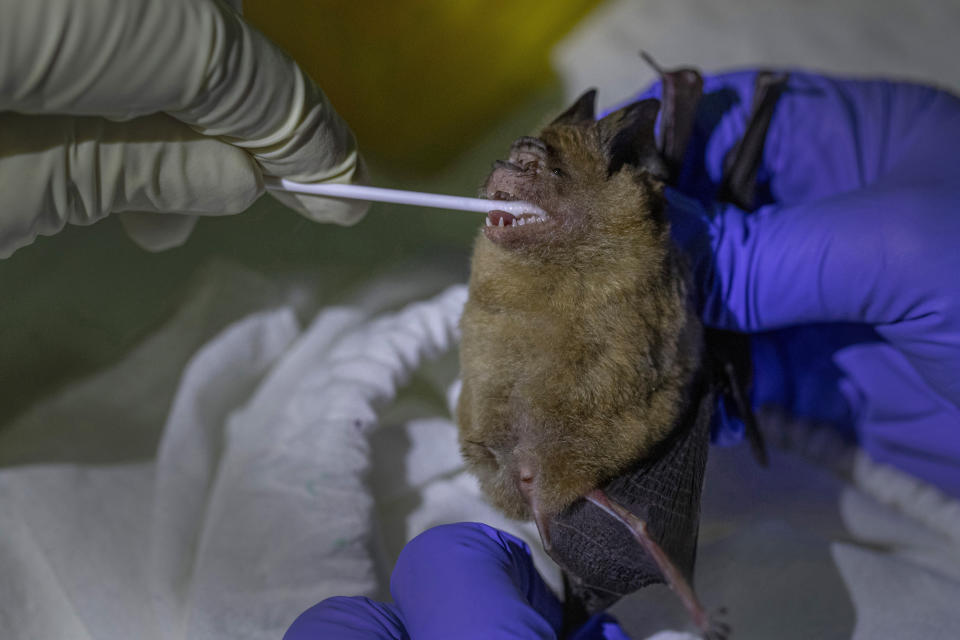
<point x="500" y="218"/>
<point x="528" y="218"/>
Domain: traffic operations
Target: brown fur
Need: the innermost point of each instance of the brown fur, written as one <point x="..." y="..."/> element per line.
<point x="578" y="336"/>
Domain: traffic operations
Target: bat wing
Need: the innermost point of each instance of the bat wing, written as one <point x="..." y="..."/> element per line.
<point x="682" y="90"/>
<point x="601" y="559"/>
<point x="739" y="184"/>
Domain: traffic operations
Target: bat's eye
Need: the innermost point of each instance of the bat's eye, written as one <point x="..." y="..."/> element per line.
<point x="558" y="172"/>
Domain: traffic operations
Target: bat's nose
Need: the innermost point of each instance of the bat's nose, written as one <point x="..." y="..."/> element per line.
<point x="525" y="483"/>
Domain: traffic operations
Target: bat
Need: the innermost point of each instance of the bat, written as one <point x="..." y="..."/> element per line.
<point x="589" y="382"/>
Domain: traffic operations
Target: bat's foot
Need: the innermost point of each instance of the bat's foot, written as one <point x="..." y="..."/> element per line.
<point x="714" y="628"/>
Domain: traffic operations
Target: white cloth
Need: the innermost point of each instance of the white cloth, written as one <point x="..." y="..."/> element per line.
<point x="290" y="470"/>
<point x="255" y="507"/>
<point x="79" y="543"/>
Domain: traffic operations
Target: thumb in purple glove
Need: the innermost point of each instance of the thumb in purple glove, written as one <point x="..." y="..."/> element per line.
<point x="465" y="580"/>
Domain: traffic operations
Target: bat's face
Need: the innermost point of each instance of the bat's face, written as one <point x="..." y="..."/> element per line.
<point x="572" y="171"/>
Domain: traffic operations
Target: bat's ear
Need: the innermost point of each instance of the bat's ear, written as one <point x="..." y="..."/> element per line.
<point x="628" y="137"/>
<point x="580" y="111"/>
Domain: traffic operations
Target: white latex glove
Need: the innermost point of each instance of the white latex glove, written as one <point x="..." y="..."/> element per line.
<point x="154" y="107"/>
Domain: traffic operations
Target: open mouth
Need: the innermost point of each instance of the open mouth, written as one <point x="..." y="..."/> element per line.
<point x="499" y="218"/>
<point x="518" y="217"/>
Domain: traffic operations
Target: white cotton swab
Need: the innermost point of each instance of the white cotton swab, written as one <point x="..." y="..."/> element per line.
<point x="398" y="196"/>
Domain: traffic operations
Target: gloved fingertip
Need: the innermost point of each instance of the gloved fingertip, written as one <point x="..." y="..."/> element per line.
<point x="475" y="579"/>
<point x="157" y="232"/>
<point x="352" y="214"/>
<point x="340" y="211"/>
<point x="345" y="213"/>
<point x="348" y="618"/>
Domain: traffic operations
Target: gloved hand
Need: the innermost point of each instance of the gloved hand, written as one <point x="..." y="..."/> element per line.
<point x="463" y="581"/>
<point x="175" y="107"/>
<point x="847" y="271"/>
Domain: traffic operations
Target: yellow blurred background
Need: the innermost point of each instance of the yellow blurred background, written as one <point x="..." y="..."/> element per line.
<point x="420" y="80"/>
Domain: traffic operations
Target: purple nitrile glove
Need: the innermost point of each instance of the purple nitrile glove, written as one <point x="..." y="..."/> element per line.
<point x="848" y="270"/>
<point x="464" y="581"/>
